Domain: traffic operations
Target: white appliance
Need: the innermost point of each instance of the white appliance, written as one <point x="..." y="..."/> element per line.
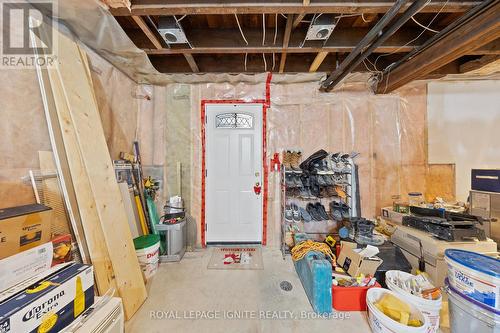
<point x="105" y="316"/>
<point x="409" y="239"/>
<point x="487" y="206"/>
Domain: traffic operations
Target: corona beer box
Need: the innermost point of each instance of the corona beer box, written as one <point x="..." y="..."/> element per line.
<point x="51" y="303"/>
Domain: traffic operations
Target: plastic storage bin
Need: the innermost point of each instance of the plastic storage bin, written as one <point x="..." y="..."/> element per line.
<point x="350" y="298"/>
<point x="174" y="235"/>
<point x="468" y="315"/>
<point x="475" y="275"/>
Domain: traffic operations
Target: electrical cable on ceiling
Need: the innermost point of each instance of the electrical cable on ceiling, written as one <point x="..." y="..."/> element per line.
<point x="284" y="16"/>
<point x="246" y="55"/>
<point x="363" y="18"/>
<point x="414" y="39"/>
<point x="239" y="27"/>
<point x="265" y="62"/>
<point x="181" y="18"/>
<point x="274" y="61"/>
<point x="275" y="28"/>
<point x="423" y="26"/>
<point x="263" y="29"/>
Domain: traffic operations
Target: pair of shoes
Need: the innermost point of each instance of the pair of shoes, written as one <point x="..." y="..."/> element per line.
<point x="308" y="164"/>
<point x="322" y="167"/>
<point x="292" y="213"/>
<point x="305" y="215"/>
<point x="288" y="213"/>
<point x="291" y="160"/>
<point x="317" y="211"/>
<point x="339" y="210"/>
<point x="295" y="213"/>
<point x="293" y="180"/>
<point x="305" y="193"/>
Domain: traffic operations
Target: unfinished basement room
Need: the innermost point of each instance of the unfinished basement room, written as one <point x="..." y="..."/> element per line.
<point x="250" y="166"/>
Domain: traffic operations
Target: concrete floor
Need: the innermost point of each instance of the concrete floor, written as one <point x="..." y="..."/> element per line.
<point x="178" y="290"/>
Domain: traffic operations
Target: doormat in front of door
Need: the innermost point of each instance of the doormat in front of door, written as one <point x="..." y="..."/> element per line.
<point x="236" y="257"/>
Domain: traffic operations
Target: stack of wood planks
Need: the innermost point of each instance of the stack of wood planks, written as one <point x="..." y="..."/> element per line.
<point x="87" y="173"/>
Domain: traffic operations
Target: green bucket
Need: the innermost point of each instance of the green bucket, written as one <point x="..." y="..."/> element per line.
<point x="145" y="241"/>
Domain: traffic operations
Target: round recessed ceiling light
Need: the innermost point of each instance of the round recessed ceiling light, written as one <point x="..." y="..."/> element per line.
<point x="170" y="37"/>
<point x="322" y="33"/>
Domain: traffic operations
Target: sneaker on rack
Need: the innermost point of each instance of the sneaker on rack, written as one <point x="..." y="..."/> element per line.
<point x="288" y="213"/>
<point x="295" y="213"/>
<point x="321" y="210"/>
<point x="305" y="215"/>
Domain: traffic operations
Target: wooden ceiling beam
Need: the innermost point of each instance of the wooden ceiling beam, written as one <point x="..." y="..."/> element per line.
<point x="148" y="32"/>
<point x="479" y="28"/>
<point x="229" y="41"/>
<point x="178" y="7"/>
<point x="286" y="40"/>
<point x="317" y="61"/>
<point x="191" y="62"/>
<point x="298" y="19"/>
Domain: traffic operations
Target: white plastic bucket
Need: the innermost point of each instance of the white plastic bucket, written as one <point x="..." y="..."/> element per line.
<point x="147" y="249"/>
<point x="380" y="323"/>
<point x="430" y="308"/>
<point x="475" y="275"/>
<point x="468" y="315"/>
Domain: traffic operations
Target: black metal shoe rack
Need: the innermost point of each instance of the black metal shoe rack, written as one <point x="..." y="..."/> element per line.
<point x="351" y="200"/>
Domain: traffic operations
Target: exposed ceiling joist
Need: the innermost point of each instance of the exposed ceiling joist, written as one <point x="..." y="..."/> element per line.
<point x="178" y="7"/>
<point x="148" y="32"/>
<point x="479" y="28"/>
<point x="342" y="40"/>
<point x="318" y="61"/>
<point x="297" y="20"/>
<point x="286" y="40"/>
<point x="158" y="44"/>
<point x="192" y="63"/>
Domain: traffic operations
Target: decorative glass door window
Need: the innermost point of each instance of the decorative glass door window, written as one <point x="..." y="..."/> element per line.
<point x="233" y="120"/>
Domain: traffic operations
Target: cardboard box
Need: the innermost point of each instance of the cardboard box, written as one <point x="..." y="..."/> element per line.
<point x="25" y="265"/>
<point x="62" y="249"/>
<point x="354" y="264"/>
<point x="390" y="215"/>
<point x="23" y="228"/>
<point x="52" y="303"/>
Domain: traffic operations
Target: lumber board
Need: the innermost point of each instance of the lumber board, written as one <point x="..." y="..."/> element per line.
<point x="94" y="179"/>
<point x="94" y="234"/>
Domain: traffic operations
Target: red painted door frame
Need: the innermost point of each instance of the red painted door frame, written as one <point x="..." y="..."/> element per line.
<point x="265" y="106"/>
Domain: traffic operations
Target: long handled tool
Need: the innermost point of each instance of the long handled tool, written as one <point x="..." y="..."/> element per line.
<point x="139" y="199"/>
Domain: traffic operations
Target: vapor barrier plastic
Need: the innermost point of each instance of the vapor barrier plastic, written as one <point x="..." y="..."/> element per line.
<point x="387" y="131"/>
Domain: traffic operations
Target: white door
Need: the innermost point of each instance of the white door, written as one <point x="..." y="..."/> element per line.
<point x="234" y="166"/>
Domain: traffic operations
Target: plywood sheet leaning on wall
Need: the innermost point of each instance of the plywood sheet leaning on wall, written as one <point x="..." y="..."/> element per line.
<point x="92" y="173"/>
<point x="440" y="182"/>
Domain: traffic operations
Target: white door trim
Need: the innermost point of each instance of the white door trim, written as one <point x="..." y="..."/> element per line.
<point x="255" y="232"/>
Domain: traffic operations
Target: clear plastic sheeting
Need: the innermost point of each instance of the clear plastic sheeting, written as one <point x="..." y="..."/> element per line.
<point x="388" y="132"/>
